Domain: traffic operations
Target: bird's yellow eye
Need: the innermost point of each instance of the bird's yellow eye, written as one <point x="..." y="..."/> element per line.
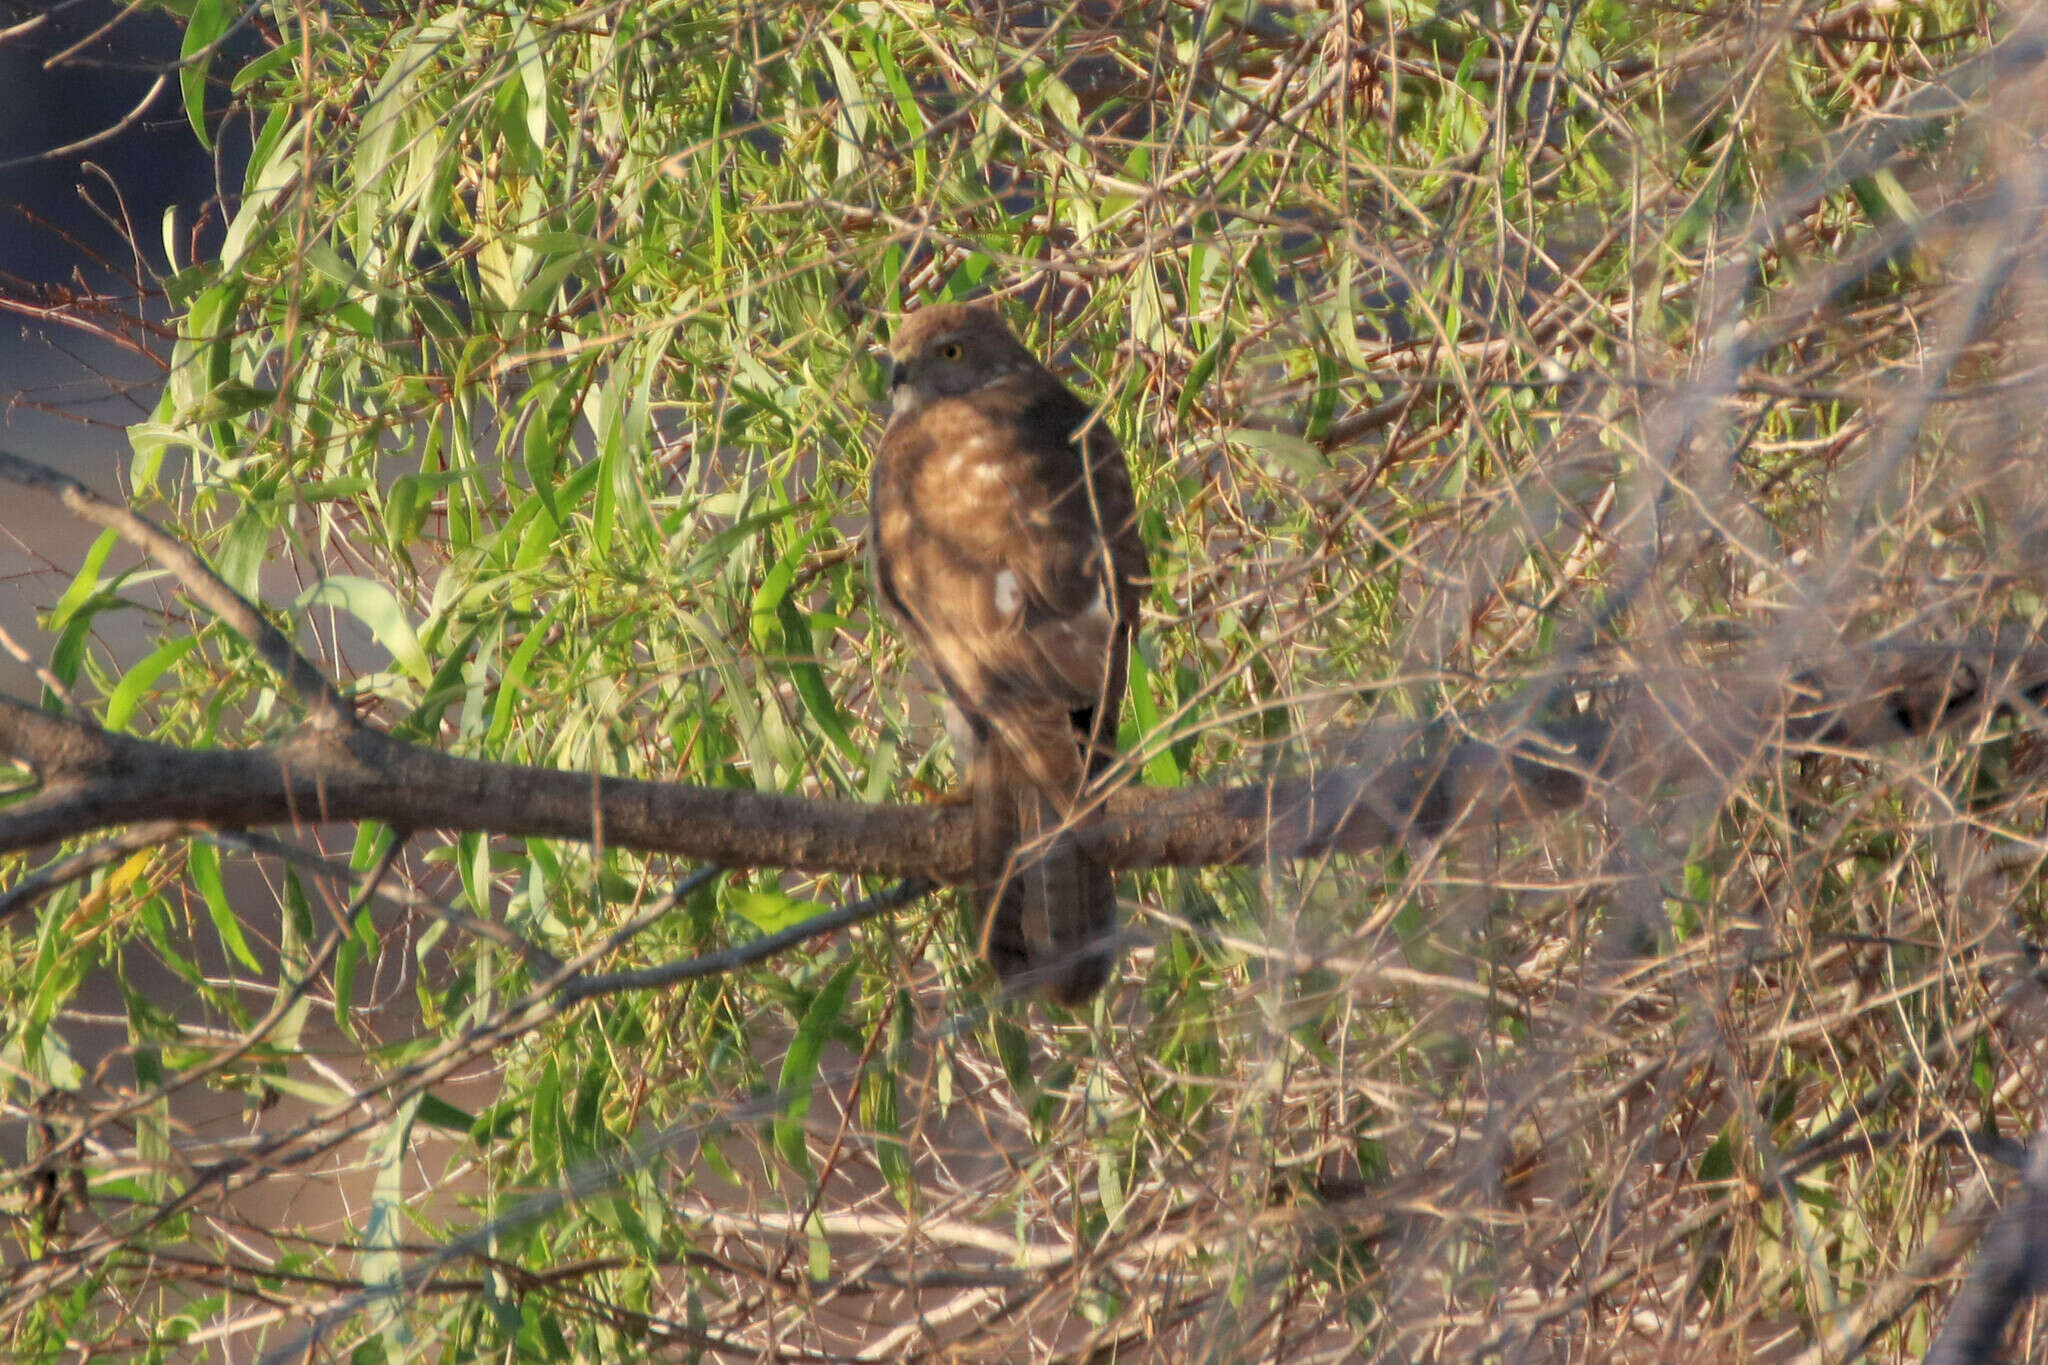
<point x="951" y="351"/>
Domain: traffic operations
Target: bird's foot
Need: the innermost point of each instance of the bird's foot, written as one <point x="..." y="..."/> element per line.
<point x="924" y="791"/>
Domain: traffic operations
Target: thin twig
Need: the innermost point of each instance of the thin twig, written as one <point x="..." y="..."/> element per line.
<point x="41" y="670"/>
<point x="325" y="705"/>
<point x="745" y="954"/>
<point x="86" y="861"/>
<point x="538" y="959"/>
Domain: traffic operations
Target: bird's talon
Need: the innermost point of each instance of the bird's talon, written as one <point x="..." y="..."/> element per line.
<point x="937" y="796"/>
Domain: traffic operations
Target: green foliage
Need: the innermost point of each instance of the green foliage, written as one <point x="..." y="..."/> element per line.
<point x="530" y="381"/>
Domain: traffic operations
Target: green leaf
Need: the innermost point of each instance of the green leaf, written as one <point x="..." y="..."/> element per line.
<point x="382" y="1265"/>
<point x="800" y="1066"/>
<point x="514" y="679"/>
<point x="223" y="403"/>
<point x="85" y="583"/>
<point x="204" y="863"/>
<point x="298" y="1087"/>
<point x="1204" y="366"/>
<point x="376" y="607"/>
<point x="1301" y="458"/>
<point x="1160" y="770"/>
<point x="207" y="25"/>
<point x="257" y="68"/>
<point x="444" y="1115"/>
<point x="346" y="960"/>
<point x="551" y="405"/>
<point x="411" y="496"/>
<point x="775" y="586"/>
<point x="139" y="679"/>
<point x="544" y="1132"/>
<point x="879" y="1114"/>
<point x="820" y="1258"/>
<point x="67" y="655"/>
<point x="244" y="551"/>
<point x="811" y="687"/>
<point x="1884" y="199"/>
<point x="771" y="911"/>
<point x="1718" y="1161"/>
<point x="343" y="489"/>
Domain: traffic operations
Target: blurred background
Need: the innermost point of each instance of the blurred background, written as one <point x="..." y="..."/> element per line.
<point x="95" y="148"/>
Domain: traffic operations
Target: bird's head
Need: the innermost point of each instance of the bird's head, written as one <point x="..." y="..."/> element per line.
<point x="947" y="350"/>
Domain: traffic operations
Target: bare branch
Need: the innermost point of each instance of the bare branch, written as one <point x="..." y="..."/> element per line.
<point x="761" y="949"/>
<point x="2012" y="1267"/>
<point x="1385" y="786"/>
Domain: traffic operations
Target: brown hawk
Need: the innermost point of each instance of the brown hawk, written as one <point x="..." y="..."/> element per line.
<point x="1006" y="542"/>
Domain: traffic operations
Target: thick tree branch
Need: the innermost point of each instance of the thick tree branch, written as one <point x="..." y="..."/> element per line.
<point x="1384" y="787"/>
<point x="1377" y="789"/>
<point x="366" y="775"/>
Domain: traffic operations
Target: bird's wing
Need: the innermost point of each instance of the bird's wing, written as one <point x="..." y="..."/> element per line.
<point x="1008" y="546"/>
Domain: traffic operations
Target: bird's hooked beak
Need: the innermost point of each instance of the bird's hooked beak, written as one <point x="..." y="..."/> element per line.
<point x="902" y="396"/>
<point x="898" y="370"/>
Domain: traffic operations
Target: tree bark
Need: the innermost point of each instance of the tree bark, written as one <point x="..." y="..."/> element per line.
<point x="1374" y="789"/>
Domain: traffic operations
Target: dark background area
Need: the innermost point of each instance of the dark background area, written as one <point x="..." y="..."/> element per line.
<point x="84" y="149"/>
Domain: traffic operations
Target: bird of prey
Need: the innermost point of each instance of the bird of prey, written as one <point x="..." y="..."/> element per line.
<point x="1005" y="542"/>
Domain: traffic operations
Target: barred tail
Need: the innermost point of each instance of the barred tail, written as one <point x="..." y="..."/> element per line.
<point x="1048" y="906"/>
